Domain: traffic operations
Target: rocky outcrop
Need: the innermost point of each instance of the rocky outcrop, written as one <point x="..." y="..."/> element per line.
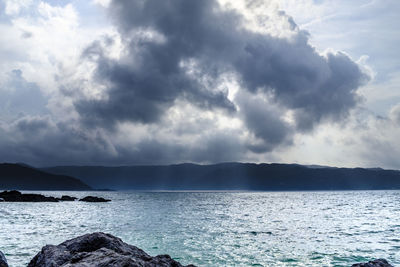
<point x="94" y="199"/>
<point x="3" y="261"/>
<point x="98" y="250"/>
<point x="16" y="196"/>
<point x="374" y="263"/>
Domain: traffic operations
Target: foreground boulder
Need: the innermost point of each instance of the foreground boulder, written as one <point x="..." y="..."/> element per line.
<point x="3" y="261"/>
<point x="16" y="196"/>
<point x="94" y="199"/>
<point x="98" y="250"/>
<point x="374" y="263"/>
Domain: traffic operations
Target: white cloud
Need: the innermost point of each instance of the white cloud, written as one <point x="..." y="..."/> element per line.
<point x="13" y="7"/>
<point x="46" y="44"/>
<point x="103" y="3"/>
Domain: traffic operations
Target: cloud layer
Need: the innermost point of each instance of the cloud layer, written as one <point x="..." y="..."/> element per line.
<point x="182" y="49"/>
<point x="181" y="80"/>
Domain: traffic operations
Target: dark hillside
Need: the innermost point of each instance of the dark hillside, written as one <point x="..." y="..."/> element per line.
<point x="23" y="177"/>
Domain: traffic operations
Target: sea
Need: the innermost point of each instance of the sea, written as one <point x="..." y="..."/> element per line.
<point x="325" y="228"/>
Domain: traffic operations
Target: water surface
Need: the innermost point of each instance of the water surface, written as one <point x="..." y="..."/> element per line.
<point x="218" y="228"/>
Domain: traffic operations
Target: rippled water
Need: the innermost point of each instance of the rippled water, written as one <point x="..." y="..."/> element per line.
<point x="218" y="228"/>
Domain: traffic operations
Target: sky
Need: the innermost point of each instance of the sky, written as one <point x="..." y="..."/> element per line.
<point x="137" y="82"/>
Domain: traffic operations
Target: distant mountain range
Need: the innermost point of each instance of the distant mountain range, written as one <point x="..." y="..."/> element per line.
<point x="24" y="177"/>
<point x="224" y="176"/>
<point x="232" y="176"/>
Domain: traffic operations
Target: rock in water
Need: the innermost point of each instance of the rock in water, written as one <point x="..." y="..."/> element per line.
<point x="98" y="250"/>
<point x="16" y="196"/>
<point x="94" y="199"/>
<point x="374" y="263"/>
<point x="3" y="261"/>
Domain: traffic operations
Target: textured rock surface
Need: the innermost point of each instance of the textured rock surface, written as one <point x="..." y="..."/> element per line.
<point x="94" y="199"/>
<point x="98" y="250"/>
<point x="374" y="263"/>
<point x="3" y="261"/>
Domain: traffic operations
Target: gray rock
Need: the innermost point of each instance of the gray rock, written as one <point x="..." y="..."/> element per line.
<point x="374" y="263"/>
<point x="98" y="250"/>
<point x="3" y="261"/>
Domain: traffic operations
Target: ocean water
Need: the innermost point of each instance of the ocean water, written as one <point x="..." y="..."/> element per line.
<point x="218" y="228"/>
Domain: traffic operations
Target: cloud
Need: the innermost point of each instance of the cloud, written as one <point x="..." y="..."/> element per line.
<point x="13" y="7"/>
<point x="365" y="140"/>
<point x="265" y="121"/>
<point x="377" y="141"/>
<point x="40" y="140"/>
<point x="180" y="49"/>
<point x="43" y="141"/>
<point x="103" y="3"/>
<point x="154" y="73"/>
<point x="177" y="81"/>
<point x="216" y="147"/>
<point x="395" y="114"/>
<point x="19" y="96"/>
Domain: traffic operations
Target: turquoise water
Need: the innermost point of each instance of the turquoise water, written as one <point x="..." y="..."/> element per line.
<point x="218" y="228"/>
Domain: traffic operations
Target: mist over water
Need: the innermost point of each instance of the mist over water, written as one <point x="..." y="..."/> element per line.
<point x="218" y="228"/>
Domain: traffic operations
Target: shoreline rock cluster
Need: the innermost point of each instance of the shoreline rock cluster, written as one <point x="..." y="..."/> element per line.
<point x="102" y="249"/>
<point x="16" y="196"/>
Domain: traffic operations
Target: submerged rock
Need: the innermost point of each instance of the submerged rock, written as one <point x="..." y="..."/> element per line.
<point x="374" y="263"/>
<point x="94" y="199"/>
<point x="3" y="261"/>
<point x="16" y="196"/>
<point x="97" y="250"/>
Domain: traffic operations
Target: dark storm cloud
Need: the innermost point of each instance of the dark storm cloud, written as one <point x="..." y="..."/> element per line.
<point x="152" y="74"/>
<point x="147" y="81"/>
<point x="32" y="125"/>
<point x="313" y="86"/>
<point x="40" y="141"/>
<point x="265" y="122"/>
